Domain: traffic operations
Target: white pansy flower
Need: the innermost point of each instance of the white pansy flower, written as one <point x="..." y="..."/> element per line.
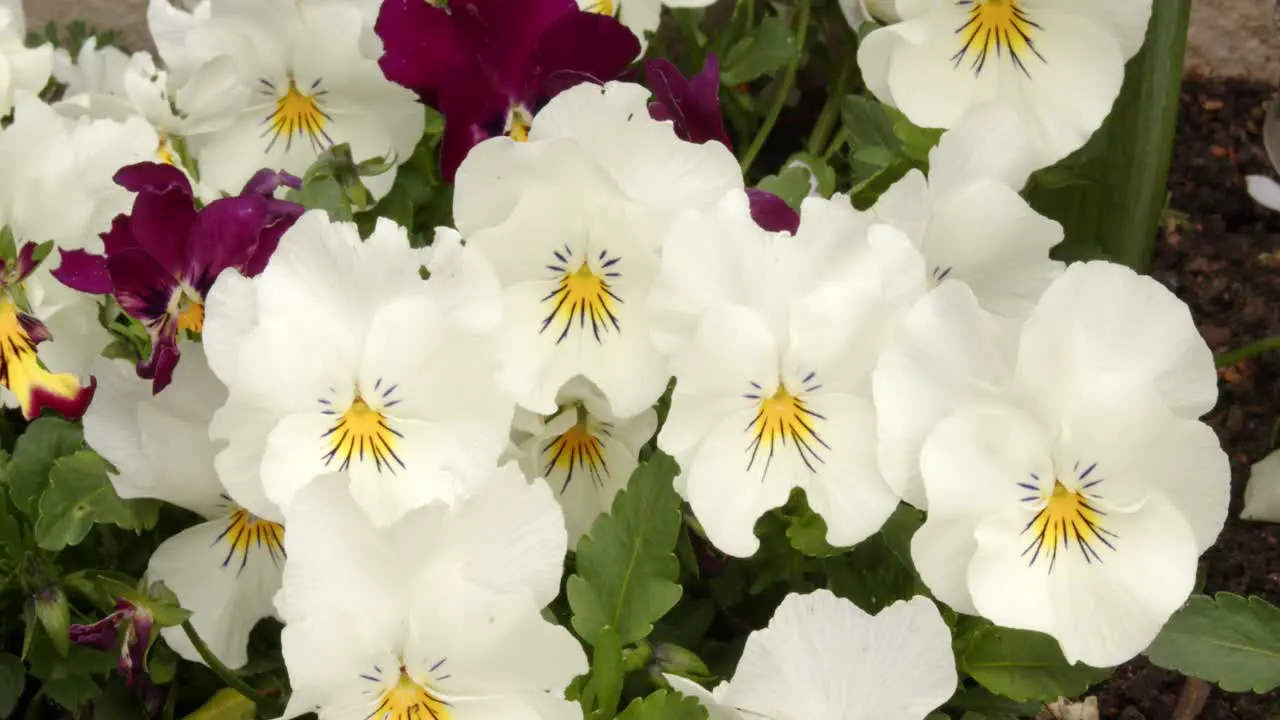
<point x="436" y="616"/>
<point x="1070" y="488"/>
<point x="824" y="657"/>
<point x="585" y="453"/>
<point x="642" y="17"/>
<point x="94" y="70"/>
<point x="1262" y="494"/>
<point x="170" y="22"/>
<point x="572" y="220"/>
<point x="777" y="338"/>
<point x="1059" y="63"/>
<point x="309" y="88"/>
<point x="225" y="570"/>
<point x="22" y="69"/>
<point x="339" y="358"/>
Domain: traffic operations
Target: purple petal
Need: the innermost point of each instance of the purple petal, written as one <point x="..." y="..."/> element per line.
<point x="26" y="260"/>
<point x="153" y="177"/>
<point x="224" y="235"/>
<point x="265" y="182"/>
<point x="692" y="105"/>
<point x="71" y="407"/>
<point x="505" y="35"/>
<point x="458" y="140"/>
<point x="420" y="46"/>
<point x="160" y="224"/>
<point x="579" y="47"/>
<point x="101" y="635"/>
<point x="771" y="212"/>
<point x="279" y="219"/>
<point x="164" y="358"/>
<point x="34" y="327"/>
<point x="141" y="286"/>
<point x="84" y="272"/>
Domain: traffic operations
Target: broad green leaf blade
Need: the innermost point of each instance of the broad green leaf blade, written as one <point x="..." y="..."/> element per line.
<point x="626" y="566"/>
<point x="226" y="704"/>
<point x="45" y="440"/>
<point x="664" y="705"/>
<point x="1126" y="164"/>
<point x="1024" y="666"/>
<point x="1227" y="639"/>
<point x="767" y="49"/>
<point x="13" y="678"/>
<point x="73" y="691"/>
<point x="54" y="614"/>
<point x="79" y="495"/>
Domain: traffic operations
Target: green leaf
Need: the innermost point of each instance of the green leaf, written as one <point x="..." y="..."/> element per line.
<point x="79" y="495"/>
<point x="605" y="686"/>
<point x="1024" y="666"/>
<point x="73" y="691"/>
<point x="767" y="49"/>
<point x="868" y="124"/>
<point x="664" y="705"/>
<point x="226" y="704"/>
<point x="13" y="678"/>
<point x="916" y="141"/>
<point x="791" y="184"/>
<point x="45" y="440"/>
<point x="626" y="566"/>
<point x="1228" y="639"/>
<point x="807" y="532"/>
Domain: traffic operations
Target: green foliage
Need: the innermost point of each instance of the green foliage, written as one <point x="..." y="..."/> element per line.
<point x="626" y="569"/>
<point x="13" y="678"/>
<point x="1022" y="665"/>
<point x="1228" y="639"/>
<point x="226" y="704"/>
<point x="664" y="705"/>
<point x="79" y="496"/>
<point x="764" y="50"/>
<point x="44" y="442"/>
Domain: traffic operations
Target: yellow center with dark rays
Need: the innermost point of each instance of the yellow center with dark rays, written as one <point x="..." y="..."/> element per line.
<point x="576" y="450"/>
<point x="408" y="700"/>
<point x="298" y="114"/>
<point x="1066" y="518"/>
<point x="246" y="533"/>
<point x="362" y="434"/>
<point x="582" y="297"/>
<point x="20" y="368"/>
<point x="996" y="29"/>
<point x="781" y="422"/>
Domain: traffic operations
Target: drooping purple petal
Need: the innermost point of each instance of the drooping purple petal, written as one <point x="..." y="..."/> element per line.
<point x="692" y="105"/>
<point x="37" y="332"/>
<point x="26" y="261"/>
<point x="771" y="212"/>
<point x="84" y="271"/>
<point x="101" y="635"/>
<point x="281" y="216"/>
<point x="164" y="358"/>
<point x="133" y="654"/>
<point x="153" y="177"/>
<point x="579" y="47"/>
<point x="265" y="182"/>
<point x="225" y="234"/>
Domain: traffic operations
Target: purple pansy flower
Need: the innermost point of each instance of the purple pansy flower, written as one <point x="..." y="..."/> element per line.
<point x="136" y="624"/>
<point x="693" y="107"/>
<point x="163" y="257"/>
<point x="489" y="65"/>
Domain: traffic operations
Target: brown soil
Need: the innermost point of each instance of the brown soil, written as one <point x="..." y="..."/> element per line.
<point x="1221" y="262"/>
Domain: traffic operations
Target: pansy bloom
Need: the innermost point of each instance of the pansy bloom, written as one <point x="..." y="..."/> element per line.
<point x="162" y="259"/>
<point x="490" y="65"/>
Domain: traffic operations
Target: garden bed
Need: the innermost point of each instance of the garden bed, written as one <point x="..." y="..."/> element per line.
<point x="1224" y="261"/>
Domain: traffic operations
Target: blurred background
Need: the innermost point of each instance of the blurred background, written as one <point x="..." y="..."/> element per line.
<point x="1229" y="38"/>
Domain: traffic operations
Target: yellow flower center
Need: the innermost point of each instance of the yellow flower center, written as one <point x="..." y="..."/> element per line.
<point x="164" y="153"/>
<point x="246" y="533"/>
<point x="582" y="296"/>
<point x="784" y="419"/>
<point x="21" y="370"/>
<point x="361" y="434"/>
<point x="1066" y="516"/>
<point x="409" y="700"/>
<point x="298" y="114"/>
<point x="518" y="124"/>
<point x="996" y="26"/>
<point x="191" y="316"/>
<point x="602" y="7"/>
<point x="575" y="450"/>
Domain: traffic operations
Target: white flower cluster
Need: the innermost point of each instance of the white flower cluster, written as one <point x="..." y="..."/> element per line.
<point x="396" y="466"/>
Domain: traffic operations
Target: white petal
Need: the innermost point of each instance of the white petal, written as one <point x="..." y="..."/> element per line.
<point x="1262" y="494"/>
<point x="239" y="463"/>
<point x="823" y="657"/>
<point x="926" y="83"/>
<point x="717" y="709"/>
<point x="992" y="142"/>
<point x="230" y="314"/>
<point x="1102" y="613"/>
<point x="1104" y="323"/>
<point x="1125" y="19"/>
<point x="1264" y="191"/>
<point x="226" y="573"/>
<point x="463" y="281"/>
<point x="949" y="352"/>
<point x="941" y="550"/>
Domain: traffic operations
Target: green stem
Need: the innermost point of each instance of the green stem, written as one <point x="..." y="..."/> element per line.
<point x="33" y="709"/>
<point x="1253" y="349"/>
<point x="837" y="142"/>
<point x="269" y="705"/>
<point x="788" y="80"/>
<point x="830" y="114"/>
